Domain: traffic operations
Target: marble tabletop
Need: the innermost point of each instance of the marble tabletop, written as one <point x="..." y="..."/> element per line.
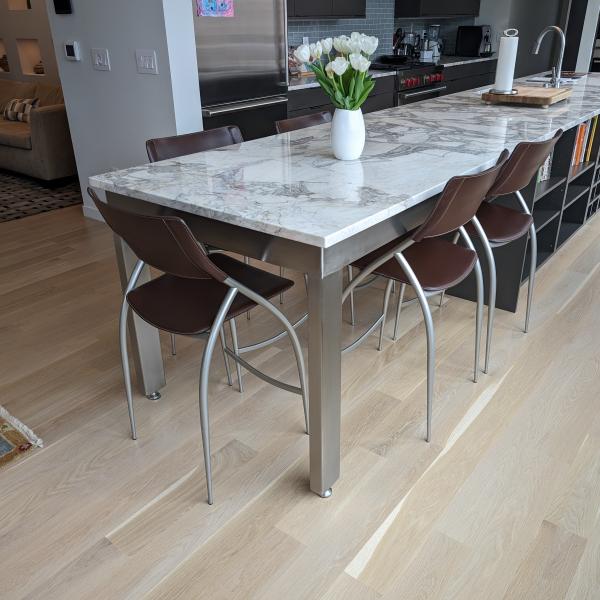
<point x="290" y="185"/>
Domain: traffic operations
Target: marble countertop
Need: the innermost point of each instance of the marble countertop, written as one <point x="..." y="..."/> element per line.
<point x="455" y="61"/>
<point x="302" y="83"/>
<point x="290" y="185"/>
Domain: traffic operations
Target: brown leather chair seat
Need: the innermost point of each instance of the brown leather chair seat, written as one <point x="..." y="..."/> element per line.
<point x="437" y="263"/>
<point x="502" y="224"/>
<point x="189" y="306"/>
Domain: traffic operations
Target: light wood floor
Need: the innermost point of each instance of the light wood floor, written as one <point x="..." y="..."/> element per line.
<point x="504" y="503"/>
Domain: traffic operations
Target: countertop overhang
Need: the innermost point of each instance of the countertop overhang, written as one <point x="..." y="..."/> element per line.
<point x="290" y="185"/>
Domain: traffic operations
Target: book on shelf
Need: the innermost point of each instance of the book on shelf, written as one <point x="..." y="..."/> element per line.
<point x="545" y="170"/>
<point x="588" y="154"/>
<point x="578" y="145"/>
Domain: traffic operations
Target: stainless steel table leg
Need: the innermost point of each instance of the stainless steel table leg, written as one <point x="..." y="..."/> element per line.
<point x="324" y="379"/>
<point x="144" y="339"/>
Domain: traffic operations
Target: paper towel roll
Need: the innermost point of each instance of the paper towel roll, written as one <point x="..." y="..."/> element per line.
<point x="507" y="58"/>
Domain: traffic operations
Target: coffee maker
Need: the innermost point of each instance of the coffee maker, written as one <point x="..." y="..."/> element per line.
<point x="431" y="49"/>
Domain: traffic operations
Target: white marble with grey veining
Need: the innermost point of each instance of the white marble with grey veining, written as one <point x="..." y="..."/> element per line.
<point x="290" y="185"/>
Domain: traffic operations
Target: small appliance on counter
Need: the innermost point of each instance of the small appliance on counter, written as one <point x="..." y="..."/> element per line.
<point x="406" y="43"/>
<point x="474" y="40"/>
<point x="431" y="45"/>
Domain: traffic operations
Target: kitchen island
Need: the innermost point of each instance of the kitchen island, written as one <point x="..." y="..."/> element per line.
<point x="286" y="200"/>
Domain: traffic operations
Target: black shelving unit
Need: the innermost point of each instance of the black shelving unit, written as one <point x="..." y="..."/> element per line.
<point x="560" y="207"/>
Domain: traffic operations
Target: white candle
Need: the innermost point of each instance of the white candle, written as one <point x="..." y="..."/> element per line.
<point x="507" y="58"/>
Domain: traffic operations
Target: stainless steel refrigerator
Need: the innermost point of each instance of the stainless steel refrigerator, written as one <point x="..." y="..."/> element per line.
<point x="242" y="66"/>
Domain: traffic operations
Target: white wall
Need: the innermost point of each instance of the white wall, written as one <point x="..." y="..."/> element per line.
<point x="588" y="36"/>
<point x="113" y="113"/>
<point x="27" y="24"/>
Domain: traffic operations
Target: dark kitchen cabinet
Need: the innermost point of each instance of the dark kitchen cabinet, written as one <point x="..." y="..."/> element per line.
<point x="469" y="76"/>
<point x="437" y="8"/>
<point x="312" y="100"/>
<point x="328" y="9"/>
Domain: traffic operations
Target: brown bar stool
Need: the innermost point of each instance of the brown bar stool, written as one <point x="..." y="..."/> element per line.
<point x="174" y="146"/>
<point x="430" y="264"/>
<point x="498" y="225"/>
<point x="295" y="123"/>
<point x="190" y="143"/>
<point x="195" y="296"/>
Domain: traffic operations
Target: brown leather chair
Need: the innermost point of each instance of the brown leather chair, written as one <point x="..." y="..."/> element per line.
<point x="498" y="225"/>
<point x="295" y="123"/>
<point x="195" y="296"/>
<point x="190" y="143"/>
<point x="181" y="145"/>
<point x="431" y="264"/>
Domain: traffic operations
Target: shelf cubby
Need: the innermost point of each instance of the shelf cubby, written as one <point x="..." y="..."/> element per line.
<point x="575" y="192"/>
<point x="580" y="169"/>
<point x="4" y="64"/>
<point x="19" y="4"/>
<point x="29" y="55"/>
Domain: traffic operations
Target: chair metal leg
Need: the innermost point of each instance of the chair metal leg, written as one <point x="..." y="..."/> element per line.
<point x="386" y="303"/>
<point x="430" y="337"/>
<point x="173" y="346"/>
<point x="480" y="302"/>
<point x="225" y="357"/>
<point x="281" y="271"/>
<point x="247" y="261"/>
<point x="493" y="282"/>
<point x="352" y="314"/>
<point x="236" y="349"/>
<point x="125" y="363"/>
<point x="291" y="334"/>
<point x="532" y="269"/>
<point x="398" y="310"/>
<point x="215" y="332"/>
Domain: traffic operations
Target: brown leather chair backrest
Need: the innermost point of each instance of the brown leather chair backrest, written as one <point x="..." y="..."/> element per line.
<point x="287" y="125"/>
<point x="190" y="143"/>
<point x="165" y="243"/>
<point x="522" y="166"/>
<point x="459" y="202"/>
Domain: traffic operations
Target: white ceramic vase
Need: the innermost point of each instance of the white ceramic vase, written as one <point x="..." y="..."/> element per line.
<point x="347" y="134"/>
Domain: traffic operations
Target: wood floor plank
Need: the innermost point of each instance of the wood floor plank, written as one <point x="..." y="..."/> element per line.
<point x="502" y="503"/>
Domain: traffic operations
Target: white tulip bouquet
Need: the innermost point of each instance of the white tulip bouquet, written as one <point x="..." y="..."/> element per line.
<point x="345" y="78"/>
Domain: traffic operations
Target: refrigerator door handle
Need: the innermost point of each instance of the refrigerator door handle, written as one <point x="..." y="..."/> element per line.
<point x="238" y="106"/>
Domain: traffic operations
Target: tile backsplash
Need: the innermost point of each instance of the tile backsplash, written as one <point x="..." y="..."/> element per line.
<point x="379" y="22"/>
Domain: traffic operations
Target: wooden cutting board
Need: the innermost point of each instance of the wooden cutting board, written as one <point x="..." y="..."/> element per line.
<point x="530" y="96"/>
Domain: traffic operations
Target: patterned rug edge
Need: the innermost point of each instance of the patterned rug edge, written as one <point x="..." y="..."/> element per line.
<point x="28" y="438"/>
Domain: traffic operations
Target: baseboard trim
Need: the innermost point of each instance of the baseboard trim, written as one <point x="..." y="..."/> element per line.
<point x="91" y="212"/>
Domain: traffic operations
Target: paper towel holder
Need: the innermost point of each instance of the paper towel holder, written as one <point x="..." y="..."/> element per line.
<point x="510" y="32"/>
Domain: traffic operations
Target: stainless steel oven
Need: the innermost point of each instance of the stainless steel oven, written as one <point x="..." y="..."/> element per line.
<point x="408" y="97"/>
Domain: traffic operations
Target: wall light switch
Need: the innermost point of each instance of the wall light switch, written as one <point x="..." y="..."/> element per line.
<point x="146" y="61"/>
<point x="100" y="59"/>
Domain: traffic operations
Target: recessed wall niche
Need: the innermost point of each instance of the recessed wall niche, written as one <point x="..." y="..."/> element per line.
<point x="30" y="57"/>
<point x="4" y="66"/>
<point x="19" y="4"/>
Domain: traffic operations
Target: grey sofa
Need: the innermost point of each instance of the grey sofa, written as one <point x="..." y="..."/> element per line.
<point x="41" y="148"/>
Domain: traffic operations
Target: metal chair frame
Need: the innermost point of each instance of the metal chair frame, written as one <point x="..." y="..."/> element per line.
<point x="422" y="299"/>
<point x="216" y="331"/>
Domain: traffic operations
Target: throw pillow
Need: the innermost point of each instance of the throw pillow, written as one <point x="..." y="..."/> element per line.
<point x="20" y="109"/>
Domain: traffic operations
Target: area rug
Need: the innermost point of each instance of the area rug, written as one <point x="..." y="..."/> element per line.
<point x="22" y="196"/>
<point x="15" y="438"/>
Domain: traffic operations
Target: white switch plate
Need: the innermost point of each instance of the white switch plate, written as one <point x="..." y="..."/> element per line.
<point x="101" y="59"/>
<point x="146" y="61"/>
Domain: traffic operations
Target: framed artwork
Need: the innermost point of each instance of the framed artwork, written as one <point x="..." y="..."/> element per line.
<point x="215" y="8"/>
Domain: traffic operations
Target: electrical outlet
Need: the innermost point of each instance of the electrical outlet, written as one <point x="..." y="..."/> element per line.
<point x="146" y="61"/>
<point x="101" y="59"/>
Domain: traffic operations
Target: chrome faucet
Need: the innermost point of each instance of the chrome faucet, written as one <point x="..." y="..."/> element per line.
<point x="557" y="70"/>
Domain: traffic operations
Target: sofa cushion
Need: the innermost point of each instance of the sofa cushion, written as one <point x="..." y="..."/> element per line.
<point x="20" y="109"/>
<point x="48" y="94"/>
<point x="15" y="134"/>
<point x="14" y="89"/>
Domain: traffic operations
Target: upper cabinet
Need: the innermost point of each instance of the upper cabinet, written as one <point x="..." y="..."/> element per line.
<point x="326" y="9"/>
<point x="436" y="8"/>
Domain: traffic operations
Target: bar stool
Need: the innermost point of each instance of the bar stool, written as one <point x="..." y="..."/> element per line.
<point x="431" y="264"/>
<point x="498" y="225"/>
<point x="195" y="296"/>
<point x="174" y="146"/>
<point x="295" y="123"/>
